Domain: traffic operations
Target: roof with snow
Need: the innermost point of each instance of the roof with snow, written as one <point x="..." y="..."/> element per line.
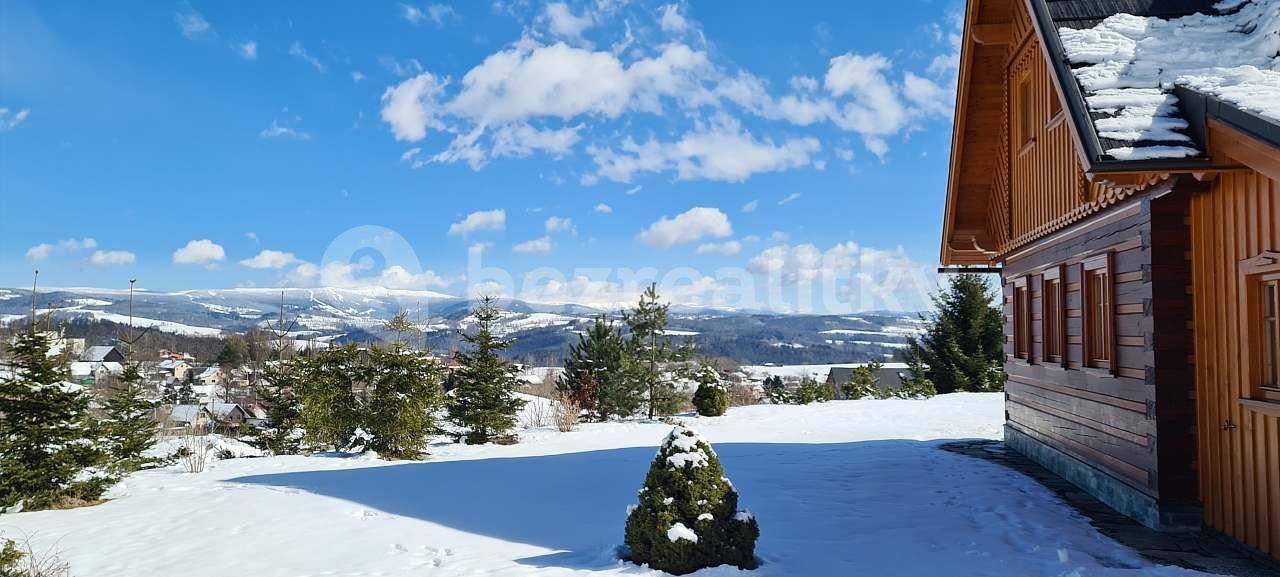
<point x="1142" y="76"/>
<point x="97" y="353"/>
<point x="188" y="413"/>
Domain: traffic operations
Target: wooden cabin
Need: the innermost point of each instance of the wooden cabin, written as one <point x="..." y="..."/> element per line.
<point x="1141" y="269"/>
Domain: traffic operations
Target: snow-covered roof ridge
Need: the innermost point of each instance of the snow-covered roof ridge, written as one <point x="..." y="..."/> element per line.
<point x="1128" y="66"/>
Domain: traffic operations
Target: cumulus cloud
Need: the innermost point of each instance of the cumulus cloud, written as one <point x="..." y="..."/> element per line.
<point x="557" y="224"/>
<point x="272" y="259"/>
<point x="803" y="263"/>
<point x="724" y="152"/>
<point x="692" y="225"/>
<point x="480" y="220"/>
<point x="203" y="252"/>
<point x="542" y="245"/>
<point x="411" y="107"/>
<point x="44" y="250"/>
<point x="439" y="14"/>
<point x="397" y="277"/>
<point x="10" y="119"/>
<point x="563" y="22"/>
<point x="603" y="208"/>
<point x="106" y="258"/>
<point x="730" y="247"/>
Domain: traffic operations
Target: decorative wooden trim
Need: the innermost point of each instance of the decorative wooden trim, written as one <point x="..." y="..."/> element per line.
<point x="991" y="34"/>
<point x="1227" y="141"/>
<point x="1265" y="407"/>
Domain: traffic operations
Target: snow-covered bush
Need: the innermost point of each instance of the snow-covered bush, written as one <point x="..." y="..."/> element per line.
<point x="712" y="396"/>
<point x="688" y="516"/>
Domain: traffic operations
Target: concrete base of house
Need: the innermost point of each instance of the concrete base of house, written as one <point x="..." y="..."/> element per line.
<point x="1125" y="499"/>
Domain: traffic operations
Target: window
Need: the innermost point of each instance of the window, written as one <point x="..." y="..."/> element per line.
<point x="1051" y="317"/>
<point x="1099" y="320"/>
<point x="1270" y="333"/>
<point x="1025" y="131"/>
<point x="1021" y="320"/>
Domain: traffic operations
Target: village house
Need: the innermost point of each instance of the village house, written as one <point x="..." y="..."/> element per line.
<point x="211" y="417"/>
<point x="1132" y="209"/>
<point x="889" y="377"/>
<point x="102" y="354"/>
<point x="94" y="372"/>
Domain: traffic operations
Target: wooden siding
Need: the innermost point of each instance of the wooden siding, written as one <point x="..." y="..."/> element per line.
<point x="1240" y="473"/>
<point x="1101" y="418"/>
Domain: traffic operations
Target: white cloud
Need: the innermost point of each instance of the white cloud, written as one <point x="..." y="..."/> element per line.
<point x="191" y="23"/>
<point x="411" y="107"/>
<point x="730" y="247"/>
<point x="279" y="130"/>
<point x="436" y="13"/>
<point x="671" y="20"/>
<point x="634" y="190"/>
<point x="690" y="226"/>
<point x="564" y="23"/>
<point x="412" y="13"/>
<point x="803" y="263"/>
<point x="480" y="220"/>
<point x="43" y="251"/>
<point x="203" y="251"/>
<point x="105" y="258"/>
<point x="557" y="224"/>
<point x="540" y="245"/>
<point x="875" y="108"/>
<point x="603" y="208"/>
<point x="273" y="259"/>
<point x="39" y="252"/>
<point x="789" y="198"/>
<point x="247" y="50"/>
<point x="751" y="206"/>
<point x="397" y="277"/>
<point x="927" y="95"/>
<point x="297" y="50"/>
<point x="10" y="119"/>
<point x="357" y="76"/>
<point x="724" y="152"/>
<point x="779" y="236"/>
<point x="845" y="154"/>
<point x="522" y="140"/>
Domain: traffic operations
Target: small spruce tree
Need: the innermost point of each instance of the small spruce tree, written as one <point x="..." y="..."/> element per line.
<point x="49" y="445"/>
<point x="688" y="517"/>
<point x="811" y="390"/>
<point x="325" y="384"/>
<point x="402" y="402"/>
<point x="484" y="397"/>
<point x="129" y="425"/>
<point x="964" y="345"/>
<point x="712" y="397"/>
<point x="600" y="352"/>
<point x="277" y="391"/>
<point x="864" y="382"/>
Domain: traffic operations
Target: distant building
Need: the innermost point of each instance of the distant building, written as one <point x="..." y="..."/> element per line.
<point x="208" y="416"/>
<point x="102" y="354"/>
<point x="889" y="378"/>
<point x="93" y="372"/>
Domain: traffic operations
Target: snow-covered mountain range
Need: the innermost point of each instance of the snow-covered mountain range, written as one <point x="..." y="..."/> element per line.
<point x="539" y="329"/>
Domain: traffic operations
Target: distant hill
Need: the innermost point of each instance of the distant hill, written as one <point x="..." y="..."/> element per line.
<point x="542" y="331"/>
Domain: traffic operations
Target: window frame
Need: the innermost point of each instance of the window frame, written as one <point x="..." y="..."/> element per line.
<point x="1053" y="320"/>
<point x="1022" y="338"/>
<point x="1099" y="318"/>
<point x="1256" y="274"/>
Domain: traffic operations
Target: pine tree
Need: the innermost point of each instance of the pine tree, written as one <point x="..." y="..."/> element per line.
<point x="917" y="383"/>
<point x="401" y="403"/>
<point x="964" y="346"/>
<point x="400" y="325"/>
<point x="277" y="391"/>
<point x="129" y="427"/>
<point x="325" y="384"/>
<point x="811" y="390"/>
<point x="649" y="351"/>
<point x="485" y="401"/>
<point x="712" y="397"/>
<point x="688" y="517"/>
<point x="49" y="449"/>
<point x="600" y="353"/>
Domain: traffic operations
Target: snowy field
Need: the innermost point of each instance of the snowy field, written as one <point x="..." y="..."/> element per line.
<point x="840" y="488"/>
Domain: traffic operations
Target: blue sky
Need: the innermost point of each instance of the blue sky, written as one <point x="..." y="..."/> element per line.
<point x="739" y="153"/>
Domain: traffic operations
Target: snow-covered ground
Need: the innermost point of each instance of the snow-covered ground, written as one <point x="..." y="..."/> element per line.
<point x="840" y="488"/>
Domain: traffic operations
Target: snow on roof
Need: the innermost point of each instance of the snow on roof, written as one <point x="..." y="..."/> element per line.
<point x="86" y="368"/>
<point x="1128" y="66"/>
<point x="188" y="413"/>
<point x="96" y="353"/>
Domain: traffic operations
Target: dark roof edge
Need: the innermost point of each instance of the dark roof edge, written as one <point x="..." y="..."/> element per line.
<point x="1199" y="108"/>
<point x="1077" y="108"/>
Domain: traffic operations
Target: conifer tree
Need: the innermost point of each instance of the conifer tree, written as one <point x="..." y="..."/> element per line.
<point x="649" y="351"/>
<point x="688" y="517"/>
<point x="129" y="426"/>
<point x="863" y="382"/>
<point x="403" y="397"/>
<point x="600" y="353"/>
<point x="277" y="391"/>
<point x="325" y="383"/>
<point x="485" y="401"/>
<point x="712" y="397"/>
<point x="49" y="449"/>
<point x="964" y="346"/>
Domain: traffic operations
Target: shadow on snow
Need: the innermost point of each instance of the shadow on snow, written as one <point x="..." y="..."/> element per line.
<point x="872" y="506"/>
